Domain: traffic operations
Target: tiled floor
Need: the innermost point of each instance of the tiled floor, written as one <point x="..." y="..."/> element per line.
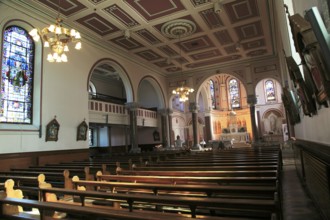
<point x="297" y="205"/>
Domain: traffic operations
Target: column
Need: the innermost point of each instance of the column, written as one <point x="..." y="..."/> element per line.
<point x="208" y="132"/>
<point x="126" y="138"/>
<point x="170" y="127"/>
<point x="164" y="126"/>
<point x="109" y="138"/>
<point x="193" y="108"/>
<point x="132" y="108"/>
<point x="252" y="100"/>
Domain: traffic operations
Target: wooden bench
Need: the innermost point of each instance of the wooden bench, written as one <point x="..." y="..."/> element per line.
<point x="209" y="168"/>
<point x="21" y="180"/>
<point x="252" y="207"/>
<point x="269" y="180"/>
<point x="93" y="212"/>
<point x="210" y="190"/>
<point x="204" y="173"/>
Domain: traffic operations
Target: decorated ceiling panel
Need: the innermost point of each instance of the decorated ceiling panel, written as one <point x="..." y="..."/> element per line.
<point x="170" y="35"/>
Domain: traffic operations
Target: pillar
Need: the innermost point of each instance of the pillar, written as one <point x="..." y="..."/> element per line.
<point x="132" y="108"/>
<point x="208" y="131"/>
<point x="164" y="126"/>
<point x="193" y="108"/>
<point x="109" y="138"/>
<point x="170" y="127"/>
<point x="126" y="138"/>
<point x="252" y="100"/>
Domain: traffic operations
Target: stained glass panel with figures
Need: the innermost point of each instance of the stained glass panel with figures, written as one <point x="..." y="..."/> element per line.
<point x="212" y="94"/>
<point x="16" y="76"/>
<point x="270" y="90"/>
<point x="234" y="94"/>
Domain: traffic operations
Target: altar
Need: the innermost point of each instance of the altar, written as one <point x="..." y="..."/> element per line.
<point x="236" y="137"/>
<point x="236" y="131"/>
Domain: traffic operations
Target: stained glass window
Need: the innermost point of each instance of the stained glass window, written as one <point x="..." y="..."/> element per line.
<point x="212" y="94"/>
<point x="16" y="76"/>
<point x="234" y="93"/>
<point x="270" y="90"/>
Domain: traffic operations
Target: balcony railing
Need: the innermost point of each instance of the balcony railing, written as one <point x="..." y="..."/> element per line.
<point x="111" y="113"/>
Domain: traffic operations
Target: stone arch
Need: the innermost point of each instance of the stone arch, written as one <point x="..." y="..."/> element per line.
<point x="260" y="92"/>
<point x="159" y="94"/>
<point x="272" y="121"/>
<point x="122" y="73"/>
<point x="207" y="76"/>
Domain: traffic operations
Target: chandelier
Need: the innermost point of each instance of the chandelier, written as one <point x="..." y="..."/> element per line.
<point x="57" y="38"/>
<point x="183" y="92"/>
<point x="177" y="29"/>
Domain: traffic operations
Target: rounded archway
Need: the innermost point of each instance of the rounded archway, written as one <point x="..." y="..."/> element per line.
<point x="110" y="79"/>
<point x="150" y="94"/>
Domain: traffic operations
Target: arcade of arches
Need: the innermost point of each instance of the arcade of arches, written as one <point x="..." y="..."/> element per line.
<point x="222" y="111"/>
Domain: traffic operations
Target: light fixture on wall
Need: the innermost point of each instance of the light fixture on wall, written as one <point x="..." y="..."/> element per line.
<point x="177" y="29"/>
<point x="57" y="38"/>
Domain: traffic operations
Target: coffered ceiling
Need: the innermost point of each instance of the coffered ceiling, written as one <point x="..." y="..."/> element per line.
<point x="241" y="31"/>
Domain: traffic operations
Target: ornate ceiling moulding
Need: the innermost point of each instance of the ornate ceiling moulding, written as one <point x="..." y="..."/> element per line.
<point x="178" y="28"/>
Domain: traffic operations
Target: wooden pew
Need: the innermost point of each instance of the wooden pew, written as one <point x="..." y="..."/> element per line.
<point x="55" y="178"/>
<point x="204" y="173"/>
<point x="94" y="212"/>
<point x="238" y="180"/>
<point x="210" y="190"/>
<point x="252" y="207"/>
<point x="209" y="168"/>
<point x="83" y="172"/>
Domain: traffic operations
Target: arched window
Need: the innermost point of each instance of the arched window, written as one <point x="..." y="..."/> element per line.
<point x="270" y="90"/>
<point x="17" y="76"/>
<point x="212" y="93"/>
<point x="234" y="94"/>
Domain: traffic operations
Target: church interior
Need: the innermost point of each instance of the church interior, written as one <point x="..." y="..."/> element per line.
<point x="158" y="109"/>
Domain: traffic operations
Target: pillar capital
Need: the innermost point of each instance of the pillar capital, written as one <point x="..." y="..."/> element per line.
<point x="193" y="107"/>
<point x="165" y="111"/>
<point x="132" y="106"/>
<point x="252" y="99"/>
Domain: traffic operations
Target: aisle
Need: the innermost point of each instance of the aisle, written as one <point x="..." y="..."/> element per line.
<point x="297" y="205"/>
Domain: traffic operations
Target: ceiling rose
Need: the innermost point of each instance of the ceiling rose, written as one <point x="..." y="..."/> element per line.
<point x="178" y="28"/>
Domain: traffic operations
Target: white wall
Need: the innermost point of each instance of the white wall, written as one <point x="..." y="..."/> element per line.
<point x="64" y="92"/>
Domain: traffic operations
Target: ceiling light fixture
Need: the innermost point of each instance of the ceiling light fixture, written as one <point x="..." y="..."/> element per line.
<point x="57" y="38"/>
<point x="217" y="7"/>
<point x="127" y="34"/>
<point x="177" y="29"/>
<point x="238" y="46"/>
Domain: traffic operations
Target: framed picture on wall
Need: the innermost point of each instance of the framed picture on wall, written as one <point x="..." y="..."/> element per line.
<point x="308" y="46"/>
<point x="303" y="91"/>
<point x="52" y="129"/>
<point x="291" y="106"/>
<point x="82" y="131"/>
